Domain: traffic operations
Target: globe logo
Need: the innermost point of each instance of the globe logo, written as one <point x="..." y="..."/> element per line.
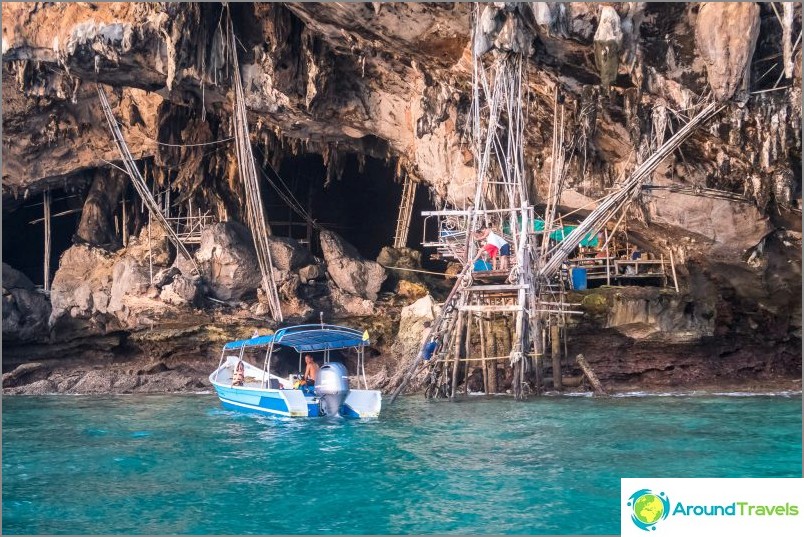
<point x="648" y="508"/>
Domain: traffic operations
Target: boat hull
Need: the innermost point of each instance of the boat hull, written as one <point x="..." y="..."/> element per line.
<point x="291" y="403"/>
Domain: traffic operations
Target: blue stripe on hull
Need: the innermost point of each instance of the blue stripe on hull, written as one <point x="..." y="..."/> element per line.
<point x="253" y="401"/>
<point x="347" y="412"/>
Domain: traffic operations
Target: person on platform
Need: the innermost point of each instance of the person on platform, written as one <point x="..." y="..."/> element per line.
<point x="496" y="247"/>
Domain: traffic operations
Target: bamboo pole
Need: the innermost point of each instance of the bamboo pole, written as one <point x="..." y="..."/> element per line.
<point x="125" y="221"/>
<point x="46" y="205"/>
<point x="63" y="213"/>
<point x="673" y="268"/>
<point x="555" y="343"/>
<point x="481" y="323"/>
<point x="150" y="252"/>
<point x="467" y="352"/>
<point x="457" y="353"/>
<point x="608" y="262"/>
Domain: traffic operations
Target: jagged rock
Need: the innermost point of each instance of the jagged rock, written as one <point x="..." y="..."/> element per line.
<point x="726" y="34"/>
<point x="501" y="26"/>
<point x="40" y="387"/>
<point x="25" y="315"/>
<point x="83" y="279"/>
<point x="97" y="218"/>
<point x="20" y="372"/>
<point x="403" y="258"/>
<point x="129" y="279"/>
<point x="162" y="253"/>
<point x="287" y="253"/>
<point x="25" y="310"/>
<point x="348" y="304"/>
<point x="94" y="382"/>
<point x="731" y="226"/>
<point x="410" y="290"/>
<point x="228" y="261"/>
<point x="348" y="269"/>
<point x="410" y="336"/>
<point x="311" y="272"/>
<point x="608" y="40"/>
<point x="180" y="291"/>
<point x="14" y="279"/>
<point x="165" y="276"/>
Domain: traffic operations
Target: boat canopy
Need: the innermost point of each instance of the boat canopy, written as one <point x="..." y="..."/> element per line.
<point x="307" y="337"/>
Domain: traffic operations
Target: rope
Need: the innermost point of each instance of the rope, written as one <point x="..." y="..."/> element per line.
<point x="214" y="142"/>
<point x="138" y="181"/>
<point x="287" y="197"/>
<point x="420" y="271"/>
<point x="248" y="173"/>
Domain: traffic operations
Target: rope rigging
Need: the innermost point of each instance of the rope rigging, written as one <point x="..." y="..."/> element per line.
<point x="248" y="173"/>
<point x="138" y="181"/>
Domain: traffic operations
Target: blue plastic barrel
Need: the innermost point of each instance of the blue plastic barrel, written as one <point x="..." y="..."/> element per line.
<point x="481" y="265"/>
<point x="578" y="276"/>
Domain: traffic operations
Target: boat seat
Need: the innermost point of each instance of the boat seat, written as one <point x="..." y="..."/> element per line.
<point x="273" y="384"/>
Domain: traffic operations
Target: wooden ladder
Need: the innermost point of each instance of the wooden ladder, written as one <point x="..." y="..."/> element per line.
<point x="405" y="210"/>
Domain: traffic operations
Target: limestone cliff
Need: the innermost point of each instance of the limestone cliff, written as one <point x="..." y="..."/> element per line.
<point x="386" y="87"/>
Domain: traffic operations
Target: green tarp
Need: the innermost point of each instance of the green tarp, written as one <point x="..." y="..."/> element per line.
<point x="560" y="234"/>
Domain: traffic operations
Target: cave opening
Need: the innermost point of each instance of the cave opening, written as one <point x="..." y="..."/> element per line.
<point x="24" y="232"/>
<point x="362" y="205"/>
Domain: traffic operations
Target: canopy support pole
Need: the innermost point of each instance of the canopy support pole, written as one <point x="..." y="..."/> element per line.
<point x="267" y="365"/>
<point x="220" y="363"/>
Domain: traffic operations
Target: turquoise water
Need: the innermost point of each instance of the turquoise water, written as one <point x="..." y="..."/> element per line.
<point x="180" y="464"/>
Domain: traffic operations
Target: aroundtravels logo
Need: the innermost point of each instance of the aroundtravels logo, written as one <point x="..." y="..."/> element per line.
<point x="711" y="506"/>
<point x="648" y="508"/>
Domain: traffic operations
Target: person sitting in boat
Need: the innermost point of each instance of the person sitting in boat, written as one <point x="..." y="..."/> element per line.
<point x="310" y="372"/>
<point x="239" y="375"/>
<point x="496" y="247"/>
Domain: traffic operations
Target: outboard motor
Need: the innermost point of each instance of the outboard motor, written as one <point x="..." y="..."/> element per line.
<point x="332" y="387"/>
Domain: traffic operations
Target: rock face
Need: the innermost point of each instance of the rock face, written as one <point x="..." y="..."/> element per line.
<point x="129" y="279"/>
<point x="96" y="226"/>
<point x="404" y="258"/>
<point x="731" y="228"/>
<point x="25" y="310"/>
<point x="81" y="287"/>
<point x="608" y="41"/>
<point x="228" y="261"/>
<point x="348" y="270"/>
<point x="392" y="81"/>
<point x="288" y="254"/>
<point x="726" y="34"/>
<point x="181" y="291"/>
<point x="409" y="339"/>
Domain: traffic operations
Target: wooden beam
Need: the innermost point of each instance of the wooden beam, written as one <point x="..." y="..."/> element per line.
<point x="587" y="370"/>
<point x="673" y="268"/>
<point x="482" y="326"/>
<point x="46" y="206"/>
<point x="555" y="344"/>
<point x="491" y="309"/>
<point x="457" y="353"/>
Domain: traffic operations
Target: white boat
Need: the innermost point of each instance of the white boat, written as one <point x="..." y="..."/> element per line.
<point x="262" y="391"/>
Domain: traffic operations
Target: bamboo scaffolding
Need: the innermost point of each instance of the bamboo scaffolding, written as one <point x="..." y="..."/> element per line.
<point x="626" y="193"/>
<point x="138" y="181"/>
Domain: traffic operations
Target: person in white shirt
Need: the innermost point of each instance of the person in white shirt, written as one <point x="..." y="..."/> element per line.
<point x="496" y="246"/>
